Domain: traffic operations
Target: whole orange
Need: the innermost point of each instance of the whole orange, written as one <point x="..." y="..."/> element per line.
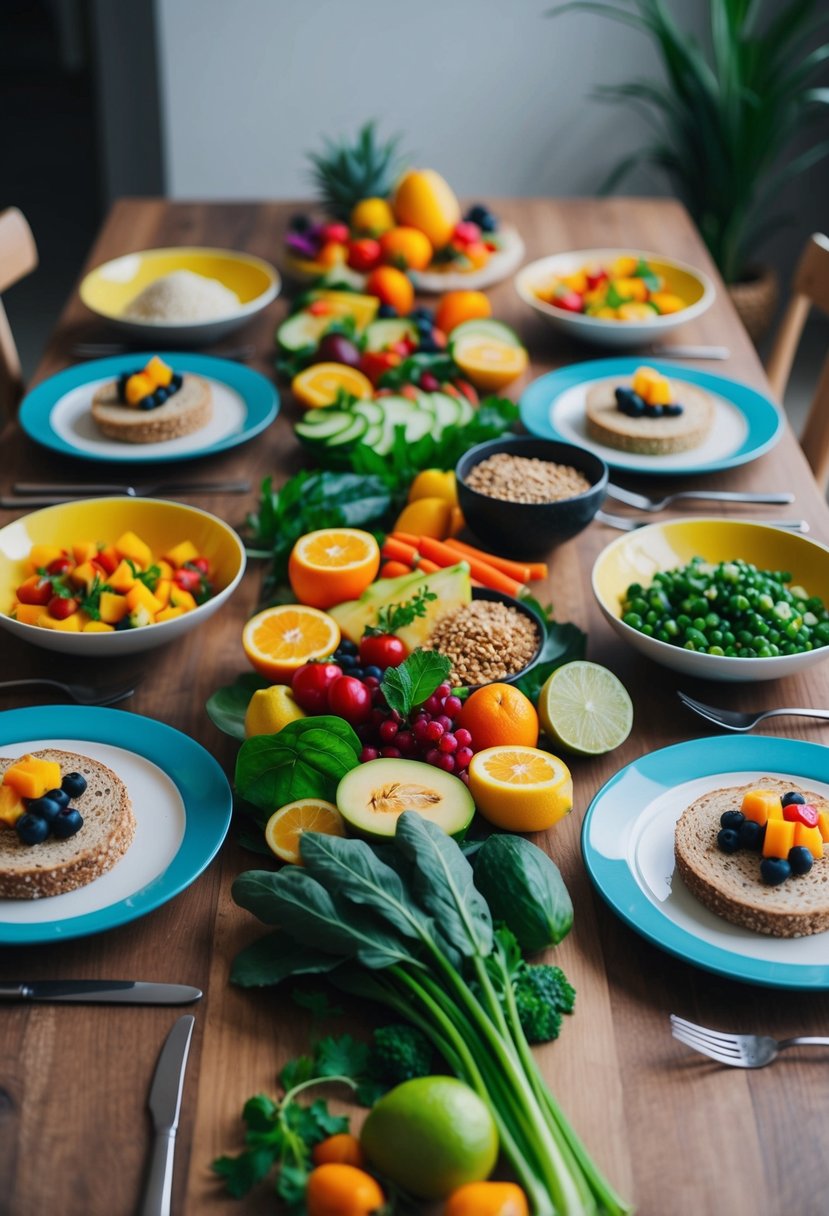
<point x="391" y="286"/>
<point x="342" y="1190"/>
<point x="499" y="715"/>
<point x="406" y="248"/>
<point x="455" y="307"/>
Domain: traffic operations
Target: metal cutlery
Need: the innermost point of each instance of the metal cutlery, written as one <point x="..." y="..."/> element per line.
<point x="643" y="503"/>
<point x="81" y="694"/>
<point x="145" y="490"/>
<point x="100" y="992"/>
<point x="625" y="524"/>
<point x="691" y="352"/>
<point x="732" y="719"/>
<point x="165" y="1107"/>
<point x="736" y="1050"/>
<point x="97" y="350"/>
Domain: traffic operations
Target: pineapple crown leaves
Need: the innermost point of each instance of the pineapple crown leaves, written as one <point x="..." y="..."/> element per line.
<point x="350" y="170"/>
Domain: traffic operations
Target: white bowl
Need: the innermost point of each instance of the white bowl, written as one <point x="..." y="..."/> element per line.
<point x="690" y="283"/>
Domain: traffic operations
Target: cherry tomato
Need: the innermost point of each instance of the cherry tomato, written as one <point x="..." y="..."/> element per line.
<point x="61" y="608"/>
<point x="202" y="564"/>
<point x="107" y="560"/>
<point x="310" y="685"/>
<point x="364" y="254"/>
<point x="382" y="650"/>
<point x="349" y="698"/>
<point x="61" y="565"/>
<point x="188" y="580"/>
<point x="336" y="232"/>
<point x="35" y="591"/>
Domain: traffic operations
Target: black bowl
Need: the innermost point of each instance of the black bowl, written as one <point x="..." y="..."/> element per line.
<point x="530" y="529"/>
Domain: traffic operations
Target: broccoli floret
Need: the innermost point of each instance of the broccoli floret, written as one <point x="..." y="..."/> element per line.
<point x="542" y="995"/>
<point x="400" y="1053"/>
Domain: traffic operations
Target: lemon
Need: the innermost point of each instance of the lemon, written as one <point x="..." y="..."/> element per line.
<point x="489" y="363"/>
<point x="431" y="1135"/>
<point x="269" y="709"/>
<point x="585" y="708"/>
<point x="522" y="789"/>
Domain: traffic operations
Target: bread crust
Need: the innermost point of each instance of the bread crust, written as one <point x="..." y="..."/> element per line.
<point x="57" y="866"/>
<point x="648" y="436"/>
<point x="729" y="884"/>
<point x="186" y="411"/>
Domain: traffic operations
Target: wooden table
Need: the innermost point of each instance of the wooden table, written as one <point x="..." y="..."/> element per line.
<point x="674" y="1134"/>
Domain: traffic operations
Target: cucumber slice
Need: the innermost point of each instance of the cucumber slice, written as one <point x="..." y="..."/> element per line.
<point x="419" y="424"/>
<point x="372" y="411"/>
<point x="351" y="434"/>
<point x="320" y="414"/>
<point x="373" y="435"/>
<point x="484" y="327"/>
<point x="320" y="431"/>
<point x="302" y="330"/>
<point x="466" y="411"/>
<point x="447" y="410"/>
<point x="382" y="334"/>
<point x="398" y="409"/>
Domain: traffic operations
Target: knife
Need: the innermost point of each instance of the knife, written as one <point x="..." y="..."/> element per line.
<point x="104" y="992"/>
<point x="165" y="1105"/>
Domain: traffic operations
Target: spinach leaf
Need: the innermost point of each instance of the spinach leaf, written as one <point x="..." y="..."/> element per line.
<point x="227" y="706"/>
<point x="306" y="759"/>
<point x="525" y="890"/>
<point x="273" y="958"/>
<point x="414" y="680"/>
<point x="563" y="644"/>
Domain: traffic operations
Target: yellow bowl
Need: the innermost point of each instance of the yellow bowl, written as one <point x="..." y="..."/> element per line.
<point x="685" y="281"/>
<point x="109" y="288"/>
<point x="161" y="524"/>
<point x="637" y="556"/>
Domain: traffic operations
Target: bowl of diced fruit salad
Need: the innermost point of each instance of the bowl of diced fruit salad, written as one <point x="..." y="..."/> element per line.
<point x="614" y="297"/>
<point x="114" y="576"/>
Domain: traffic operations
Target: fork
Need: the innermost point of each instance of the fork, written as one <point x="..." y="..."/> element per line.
<point x="732" y="719"/>
<point x="643" y="503"/>
<point x="738" y="1050"/>
<point x="81" y="694"/>
<point x="95" y="350"/>
<point x="625" y="524"/>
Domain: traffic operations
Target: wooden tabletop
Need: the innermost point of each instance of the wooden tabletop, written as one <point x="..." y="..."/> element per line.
<point x="674" y="1134"/>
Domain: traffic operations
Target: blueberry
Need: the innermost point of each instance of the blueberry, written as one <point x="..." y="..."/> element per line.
<point x="629" y="403"/>
<point x="774" y="870"/>
<point x="357" y="672"/>
<point x="375" y="673"/>
<point x="348" y="661"/>
<point x="74" y="784"/>
<point x="59" y="796"/>
<point x="67" y="824"/>
<point x="347" y="647"/>
<point x="476" y="213"/>
<point x="424" y="327"/>
<point x="488" y="223"/>
<point x="751" y="834"/>
<point x="147" y="403"/>
<point x="161" y="395"/>
<point x="32" y="829"/>
<point x="800" y="859"/>
<point x="299" y="223"/>
<point x="654" y="411"/>
<point x="423" y="314"/>
<point x="428" y="345"/>
<point x="673" y="410"/>
<point x="385" y="311"/>
<point x="176" y="382"/>
<point x="732" y="819"/>
<point x="793" y="799"/>
<point x="728" y="840"/>
<point x="47" y="808"/>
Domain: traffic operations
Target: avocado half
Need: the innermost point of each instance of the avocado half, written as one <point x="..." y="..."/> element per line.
<point x="374" y="795"/>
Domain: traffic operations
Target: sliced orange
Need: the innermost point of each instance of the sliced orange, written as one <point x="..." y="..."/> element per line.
<point x="284" y="829"/>
<point x="332" y="565"/>
<point x="456" y="307"/>
<point x="321" y="383"/>
<point x="279" y="640"/>
<point x="488" y="362"/>
<point x="522" y="789"/>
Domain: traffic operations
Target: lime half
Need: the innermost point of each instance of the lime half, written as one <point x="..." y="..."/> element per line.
<point x="584" y="708"/>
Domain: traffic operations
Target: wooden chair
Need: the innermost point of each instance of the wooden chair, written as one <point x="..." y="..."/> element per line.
<point x="810" y="287"/>
<point x="18" y="257"/>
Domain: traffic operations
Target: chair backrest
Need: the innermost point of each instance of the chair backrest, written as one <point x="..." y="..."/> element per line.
<point x="18" y="257"/>
<point x="809" y="288"/>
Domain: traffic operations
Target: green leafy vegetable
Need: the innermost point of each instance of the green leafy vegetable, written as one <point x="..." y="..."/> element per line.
<point x="525" y="890"/>
<point x="306" y="759"/>
<point x="227" y="706"/>
<point x="562" y="644"/>
<point x="148" y="577"/>
<point x="392" y="617"/>
<point x="414" y="680"/>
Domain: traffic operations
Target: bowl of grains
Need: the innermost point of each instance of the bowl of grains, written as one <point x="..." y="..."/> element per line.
<point x="492" y="639"/>
<point x="522" y="496"/>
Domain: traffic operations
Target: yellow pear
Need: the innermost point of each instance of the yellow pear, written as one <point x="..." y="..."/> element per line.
<point x="425" y="200"/>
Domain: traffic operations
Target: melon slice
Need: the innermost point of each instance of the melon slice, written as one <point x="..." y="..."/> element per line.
<point x="451" y="587"/>
<point x="373" y="796"/>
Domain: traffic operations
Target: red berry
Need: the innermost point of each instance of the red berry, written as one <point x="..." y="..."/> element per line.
<point x="446" y="762"/>
<point x="371" y="682"/>
<point x="464" y="776"/>
<point x="391" y="753"/>
<point x="201" y="563"/>
<point x="336" y="232"/>
<point x="405" y="740"/>
<point x="445" y="722"/>
<point x="433" y="705"/>
<point x="463" y="737"/>
<point x="382" y="650"/>
<point x="801" y="812"/>
<point x="443" y="691"/>
<point x="452" y="706"/>
<point x="434" y="730"/>
<point x="429" y="383"/>
<point x="310" y="685"/>
<point x="61" y="608"/>
<point x="378" y="715"/>
<point x="462" y="756"/>
<point x="419" y="728"/>
<point x="349" y="698"/>
<point x="432" y="756"/>
<point x="37" y="592"/>
<point x="61" y="565"/>
<point x="368" y="753"/>
<point x="448" y="743"/>
<point x="387" y="730"/>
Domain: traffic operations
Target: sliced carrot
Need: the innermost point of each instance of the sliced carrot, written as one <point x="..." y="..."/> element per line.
<point x="397" y="551"/>
<point x="525" y="572"/>
<point x="439" y="552"/>
<point x="407" y="538"/>
<point x="394" y="570"/>
<point x="427" y="567"/>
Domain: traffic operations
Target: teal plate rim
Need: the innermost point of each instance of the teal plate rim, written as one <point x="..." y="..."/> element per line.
<point x="763" y="418"/>
<point x="663" y="769"/>
<point x="259" y="395"/>
<point x="200" y="780"/>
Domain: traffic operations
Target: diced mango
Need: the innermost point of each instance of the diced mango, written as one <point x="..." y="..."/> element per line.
<point x="11" y="806"/>
<point x="595" y="298"/>
<point x="159" y="372"/>
<point x="27" y="614"/>
<point x="162" y="591"/>
<point x="133" y="547"/>
<point x="181" y="599"/>
<point x="624" y="266"/>
<point x="607" y="312"/>
<point x="70" y="624"/>
<point x="41" y="555"/>
<point x="112" y="607"/>
<point x="83" y="551"/>
<point x="667" y="302"/>
<point x="165" y="570"/>
<point x="576" y="282"/>
<point x="122" y="578"/>
<point x="140" y="595"/>
<point x="779" y="838"/>
<point x="823" y="825"/>
<point x="631" y="289"/>
<point x="762" y="805"/>
<point x="186" y="551"/>
<point x="32" y="777"/>
<point x="634" y="311"/>
<point x="659" y="392"/>
<point x="97" y="627"/>
<point x="809" y="838"/>
<point x="168" y="614"/>
<point x="85" y="574"/>
<point x="138" y="387"/>
<point x="643" y="378"/>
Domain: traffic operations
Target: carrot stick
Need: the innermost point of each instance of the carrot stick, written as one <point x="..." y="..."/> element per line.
<point x="394" y="570"/>
<point x="397" y="551"/>
<point x="438" y="551"/>
<point x="427" y="567"/>
<point x="407" y="538"/>
<point x="525" y="572"/>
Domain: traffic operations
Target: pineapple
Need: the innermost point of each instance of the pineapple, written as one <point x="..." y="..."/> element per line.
<point x="347" y="172"/>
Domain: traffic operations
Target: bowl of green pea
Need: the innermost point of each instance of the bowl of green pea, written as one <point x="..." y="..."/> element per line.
<point x="718" y="599"/>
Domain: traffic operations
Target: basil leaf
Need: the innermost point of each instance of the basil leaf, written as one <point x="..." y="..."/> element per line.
<point x="414" y="681"/>
<point x="272" y="959"/>
<point x="306" y="759"/>
<point x="227" y="706"/>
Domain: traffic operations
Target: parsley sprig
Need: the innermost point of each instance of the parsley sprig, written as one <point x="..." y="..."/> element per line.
<point x="392" y="617"/>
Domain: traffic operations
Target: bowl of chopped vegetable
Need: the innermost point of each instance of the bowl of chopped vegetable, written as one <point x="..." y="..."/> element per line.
<point x="614" y="297"/>
<point x="718" y="599"/>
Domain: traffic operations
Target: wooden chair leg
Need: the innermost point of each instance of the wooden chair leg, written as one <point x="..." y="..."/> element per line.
<point x="785" y="345"/>
<point x="11" y="375"/>
<point x="815" y="437"/>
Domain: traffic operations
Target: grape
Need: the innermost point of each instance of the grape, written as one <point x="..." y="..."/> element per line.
<point x="432" y="756"/>
<point x="387" y="730"/>
<point x="405" y="740"/>
<point x="391" y="753"/>
<point x="434" y="730"/>
<point x="448" y="743"/>
<point x="433" y="705"/>
<point x="445" y="721"/>
<point x="463" y="756"/>
<point x="463" y="737"/>
<point x="446" y="762"/>
<point x="452" y="706"/>
<point x="368" y="753"/>
<point x="419" y="728"/>
<point x="443" y="691"/>
<point x="464" y="776"/>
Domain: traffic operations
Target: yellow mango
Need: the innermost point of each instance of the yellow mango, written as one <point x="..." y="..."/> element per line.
<point x="168" y="614"/>
<point x="85" y="574"/>
<point x="162" y="591"/>
<point x="27" y="614"/>
<point x="631" y="289"/>
<point x="11" y="806"/>
<point x="83" y="551"/>
<point x="761" y="805"/>
<point x="112" y="607"/>
<point x="41" y="555"/>
<point x="140" y="596"/>
<point x="97" y="627"/>
<point x="659" y="392"/>
<point x="181" y="553"/>
<point x="779" y="838"/>
<point x="72" y="624"/>
<point x="823" y="825"/>
<point x="667" y="302"/>
<point x="635" y="312"/>
<point x="132" y="546"/>
<point x="181" y="599"/>
<point x="434" y="483"/>
<point x="165" y="570"/>
<point x="138" y="387"/>
<point x="808" y="838"/>
<point x="159" y="372"/>
<point x="122" y="578"/>
<point x="576" y="282"/>
<point x="624" y="267"/>
<point x="31" y="777"/>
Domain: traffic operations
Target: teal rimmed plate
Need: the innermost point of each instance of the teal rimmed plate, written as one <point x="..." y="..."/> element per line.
<point x="182" y="804"/>
<point x="746" y="424"/>
<point x="628" y="848"/>
<point x="57" y="415"/>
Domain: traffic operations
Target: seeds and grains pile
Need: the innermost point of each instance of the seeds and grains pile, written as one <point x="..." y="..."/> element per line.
<point x="484" y="640"/>
<point x="525" y="479"/>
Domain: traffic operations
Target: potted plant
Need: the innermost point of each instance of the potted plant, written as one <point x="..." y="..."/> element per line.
<point x="727" y="114"/>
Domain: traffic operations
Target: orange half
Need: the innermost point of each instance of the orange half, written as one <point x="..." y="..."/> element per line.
<point x="522" y="789"/>
<point x="285" y="828"/>
<point x="488" y="362"/>
<point x="332" y="565"/>
<point x="281" y="639"/>
<point x="321" y="383"/>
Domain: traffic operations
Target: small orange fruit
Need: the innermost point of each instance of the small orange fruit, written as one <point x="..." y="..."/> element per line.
<point x="279" y="640"/>
<point x="373" y="215"/>
<point x="332" y="565"/>
<point x="342" y="1190"/>
<point x="488" y="362"/>
<point x="344" y="1149"/>
<point x="487" y="1199"/>
<point x="406" y="248"/>
<point x="520" y="789"/>
<point x="391" y="286"/>
<point x="332" y="254"/>
<point x="455" y="307"/>
<point x="321" y="383"/>
<point x="500" y="715"/>
<point x="283" y="833"/>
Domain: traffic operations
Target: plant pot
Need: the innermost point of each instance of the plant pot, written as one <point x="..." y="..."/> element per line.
<point x="755" y="298"/>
